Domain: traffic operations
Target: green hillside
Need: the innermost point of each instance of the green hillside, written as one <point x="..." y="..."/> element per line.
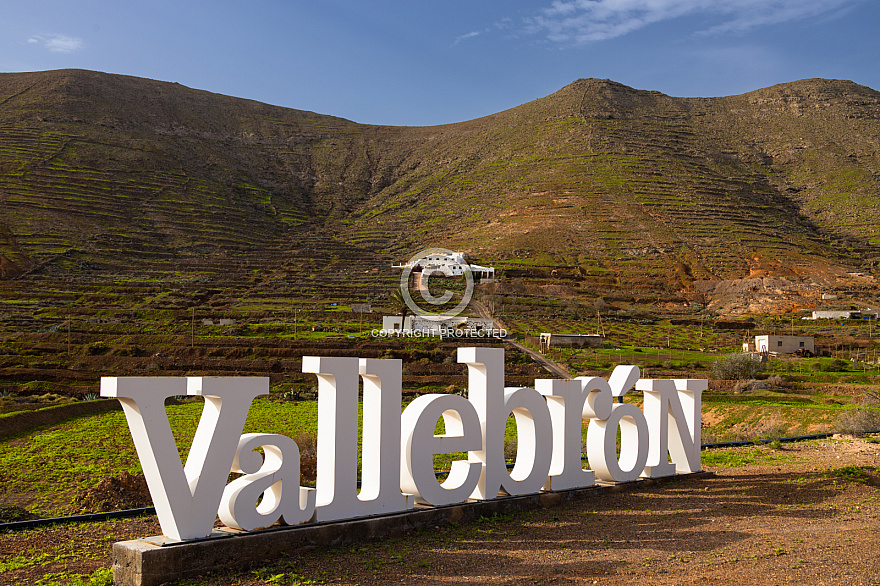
<point x="628" y="189"/>
<point x="150" y="229"/>
<point x="660" y="191"/>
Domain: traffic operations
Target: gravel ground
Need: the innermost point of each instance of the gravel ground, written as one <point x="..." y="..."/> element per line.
<point x="803" y="514"/>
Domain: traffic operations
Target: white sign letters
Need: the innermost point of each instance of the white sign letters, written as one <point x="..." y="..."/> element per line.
<point x="397" y="450"/>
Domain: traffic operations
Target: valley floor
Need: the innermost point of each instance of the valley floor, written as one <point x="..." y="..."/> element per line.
<point x="805" y="513"/>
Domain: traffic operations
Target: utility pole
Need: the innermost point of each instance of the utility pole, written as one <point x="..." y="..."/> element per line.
<point x="192" y="329"/>
<point x="294" y="323"/>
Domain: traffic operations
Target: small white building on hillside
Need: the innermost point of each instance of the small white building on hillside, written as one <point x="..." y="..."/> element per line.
<point x="423" y="324"/>
<point x="550" y="340"/>
<point x="784" y="344"/>
<point x="447" y="265"/>
<point x="437" y="325"/>
<point x="832" y="314"/>
<point x="846" y="314"/>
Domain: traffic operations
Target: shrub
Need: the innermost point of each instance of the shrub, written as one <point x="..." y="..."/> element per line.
<point x="737" y="366"/>
<point x="51" y="399"/>
<point x="510" y="448"/>
<point x="307" y="441"/>
<point x="836" y="365"/>
<point x="291" y="395"/>
<point x="858" y="421"/>
<point x="456" y="390"/>
<point x="863" y="418"/>
<point x="775" y="431"/>
<point x="777" y="381"/>
<point x="750" y="385"/>
<point x="97" y="348"/>
<point x="13" y="513"/>
<point x="39" y="385"/>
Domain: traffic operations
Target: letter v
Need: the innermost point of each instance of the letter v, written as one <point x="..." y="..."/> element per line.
<point x="186" y="498"/>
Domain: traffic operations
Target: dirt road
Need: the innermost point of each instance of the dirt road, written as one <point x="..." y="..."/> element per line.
<point x="553" y="368"/>
<point x="805" y="514"/>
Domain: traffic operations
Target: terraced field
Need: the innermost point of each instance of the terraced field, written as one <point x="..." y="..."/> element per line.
<point x="131" y="211"/>
<point x="73" y="324"/>
<point x="654" y="193"/>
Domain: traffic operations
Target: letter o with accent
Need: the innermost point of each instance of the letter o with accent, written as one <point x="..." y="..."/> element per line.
<point x="602" y="444"/>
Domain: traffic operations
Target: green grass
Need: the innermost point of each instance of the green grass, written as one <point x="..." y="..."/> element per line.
<point x="769" y="399"/>
<point x="54" y="465"/>
<point x="853" y="473"/>
<point x="737" y="457"/>
<point x="55" y="554"/>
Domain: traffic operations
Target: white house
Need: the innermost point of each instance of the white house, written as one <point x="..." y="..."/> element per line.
<point x="435" y="325"/>
<point x="846" y="314"/>
<point x="784" y="344"/>
<point x="448" y="265"/>
<point x="550" y="340"/>
<point x="830" y="314"/>
<point x="429" y="324"/>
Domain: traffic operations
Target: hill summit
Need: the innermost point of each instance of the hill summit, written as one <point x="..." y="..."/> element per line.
<point x="625" y="189"/>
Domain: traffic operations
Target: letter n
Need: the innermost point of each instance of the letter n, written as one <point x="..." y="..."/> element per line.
<point x="672" y="410"/>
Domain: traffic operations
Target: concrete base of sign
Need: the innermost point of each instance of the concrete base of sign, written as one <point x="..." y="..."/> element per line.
<point x="156" y="560"/>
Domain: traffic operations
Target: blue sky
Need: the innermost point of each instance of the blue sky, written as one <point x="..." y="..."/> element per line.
<point x="420" y="63"/>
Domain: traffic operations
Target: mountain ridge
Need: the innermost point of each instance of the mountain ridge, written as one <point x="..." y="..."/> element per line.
<point x="644" y="190"/>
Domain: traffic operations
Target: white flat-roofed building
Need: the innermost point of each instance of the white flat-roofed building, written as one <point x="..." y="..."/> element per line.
<point x="784" y="344"/>
<point x="550" y="340"/>
<point x="438" y="325"/>
<point x="846" y="314"/>
<point x="832" y="314"/>
<point x="448" y="265"/>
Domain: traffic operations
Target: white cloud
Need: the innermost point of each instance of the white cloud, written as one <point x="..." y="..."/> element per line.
<point x="585" y="21"/>
<point x="504" y="23"/>
<point x="465" y="37"/>
<point x="58" y="43"/>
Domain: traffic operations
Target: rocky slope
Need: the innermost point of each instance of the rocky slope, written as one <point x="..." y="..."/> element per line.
<point x="621" y="188"/>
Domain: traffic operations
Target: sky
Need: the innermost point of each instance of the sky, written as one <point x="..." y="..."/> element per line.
<point x="425" y="63"/>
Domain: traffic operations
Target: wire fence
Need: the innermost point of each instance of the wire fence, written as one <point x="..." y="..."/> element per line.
<point x="129" y="513"/>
